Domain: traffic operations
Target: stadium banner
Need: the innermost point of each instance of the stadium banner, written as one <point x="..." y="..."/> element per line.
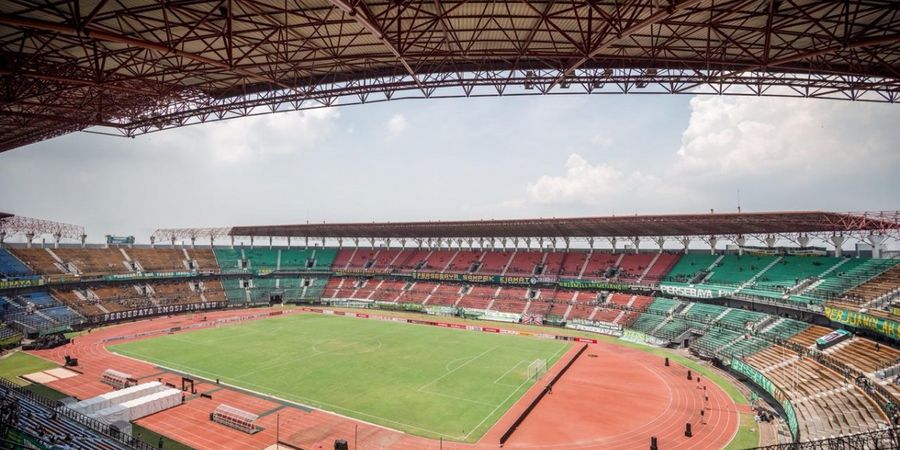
<point x="475" y="278"/>
<point x="689" y="290"/>
<point x="575" y="283"/>
<point x="148" y="275"/>
<point x="119" y="240"/>
<point x="767" y="385"/>
<point x="641" y="338"/>
<point x="156" y="311"/>
<point x="15" y="284"/>
<point x="596" y="327"/>
<point x="361" y="272"/>
<point x="887" y="327"/>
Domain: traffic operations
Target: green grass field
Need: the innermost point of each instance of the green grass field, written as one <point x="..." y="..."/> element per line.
<point x="424" y="380"/>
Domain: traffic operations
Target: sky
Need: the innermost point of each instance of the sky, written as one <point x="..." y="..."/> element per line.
<point x="466" y="159"/>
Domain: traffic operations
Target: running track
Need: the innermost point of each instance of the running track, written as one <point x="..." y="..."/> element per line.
<point x="613" y="397"/>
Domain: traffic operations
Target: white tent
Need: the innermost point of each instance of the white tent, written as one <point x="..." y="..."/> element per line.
<point x="140" y="407"/>
<point x="104" y="401"/>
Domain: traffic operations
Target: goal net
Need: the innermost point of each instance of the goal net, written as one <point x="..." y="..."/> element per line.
<point x="537" y="368"/>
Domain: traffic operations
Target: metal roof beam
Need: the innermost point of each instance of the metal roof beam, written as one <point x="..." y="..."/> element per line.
<point x="98" y="35"/>
<point x="662" y="14"/>
<point x="360" y="13"/>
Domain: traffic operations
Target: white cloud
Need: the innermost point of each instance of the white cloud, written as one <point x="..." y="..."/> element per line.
<point x="733" y="136"/>
<point x="781" y="153"/>
<point x="602" y="141"/>
<point x="253" y="138"/>
<point x="590" y="184"/>
<point x="397" y="124"/>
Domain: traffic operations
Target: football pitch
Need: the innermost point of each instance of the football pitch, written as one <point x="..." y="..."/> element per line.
<point x="424" y="380"/>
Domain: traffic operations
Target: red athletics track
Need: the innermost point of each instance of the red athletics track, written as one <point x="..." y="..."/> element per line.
<point x="615" y="399"/>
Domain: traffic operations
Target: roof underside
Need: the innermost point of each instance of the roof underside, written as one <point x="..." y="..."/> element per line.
<point x="142" y="65"/>
<point x="4" y="215"/>
<point x="624" y="226"/>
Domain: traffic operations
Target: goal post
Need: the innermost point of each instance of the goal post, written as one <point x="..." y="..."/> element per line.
<point x="536" y="369"/>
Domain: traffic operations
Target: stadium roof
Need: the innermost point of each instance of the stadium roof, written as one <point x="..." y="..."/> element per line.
<point x="4" y="215"/>
<point x="615" y="226"/>
<point x="137" y="66"/>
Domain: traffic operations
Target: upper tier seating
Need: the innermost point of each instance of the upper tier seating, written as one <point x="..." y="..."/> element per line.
<point x="888" y="281"/>
<point x="525" y="262"/>
<point x="733" y="270"/>
<point x="229" y="259"/>
<point x="633" y="265"/>
<point x="662" y="266"/>
<point x="342" y="257"/>
<point x="10" y="266"/>
<point x="494" y="262"/>
<point x="409" y="259"/>
<point x="847" y="276"/>
<point x="294" y="258"/>
<point x="689" y="266"/>
<point x="572" y="264"/>
<point x="158" y="259"/>
<point x="463" y="261"/>
<point x="39" y="260"/>
<point x="204" y="258"/>
<point x="437" y="260"/>
<point x="599" y="263"/>
<point x="261" y="258"/>
<point x="384" y="259"/>
<point x="554" y="261"/>
<point x="94" y="260"/>
<point x="324" y="257"/>
<point x="362" y="258"/>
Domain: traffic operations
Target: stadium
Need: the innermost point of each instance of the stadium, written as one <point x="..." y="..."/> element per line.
<point x="766" y="329"/>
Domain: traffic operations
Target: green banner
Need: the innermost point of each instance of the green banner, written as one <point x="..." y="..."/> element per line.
<point x="15" y="284"/>
<point x="146" y="275"/>
<point x="476" y="278"/>
<point x="880" y="325"/>
<point x="767" y="385"/>
<point x="695" y="291"/>
<point x="359" y="272"/>
<point x="574" y="283"/>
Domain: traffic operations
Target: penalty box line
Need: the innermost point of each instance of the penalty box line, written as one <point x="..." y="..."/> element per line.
<point x="186" y="370"/>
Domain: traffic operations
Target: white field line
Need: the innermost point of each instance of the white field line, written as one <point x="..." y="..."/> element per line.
<point x="508" y="371"/>
<point x="192" y="371"/>
<point x="508" y="397"/>
<point x="454" y="370"/>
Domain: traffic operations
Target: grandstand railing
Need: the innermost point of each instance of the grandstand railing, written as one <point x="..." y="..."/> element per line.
<point x="888" y="438"/>
<point x="94" y="425"/>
